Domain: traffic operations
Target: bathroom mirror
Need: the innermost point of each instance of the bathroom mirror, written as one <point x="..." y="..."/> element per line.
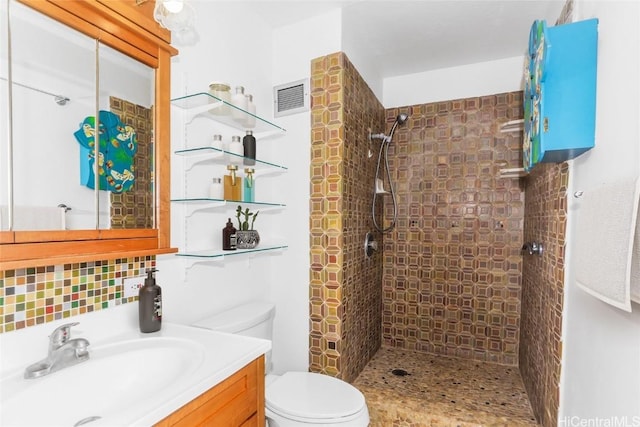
<point x="59" y="80"/>
<point x="70" y="62"/>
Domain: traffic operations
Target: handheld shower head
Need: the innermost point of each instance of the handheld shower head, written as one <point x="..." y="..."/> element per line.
<point x="400" y="120"/>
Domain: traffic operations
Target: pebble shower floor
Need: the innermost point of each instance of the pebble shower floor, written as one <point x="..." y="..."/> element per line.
<point x="442" y="391"/>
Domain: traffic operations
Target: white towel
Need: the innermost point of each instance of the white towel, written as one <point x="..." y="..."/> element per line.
<point x="635" y="262"/>
<point x="34" y="218"/>
<point x="604" y="255"/>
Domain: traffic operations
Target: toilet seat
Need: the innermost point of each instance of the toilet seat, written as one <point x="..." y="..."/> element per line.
<point x="314" y="398"/>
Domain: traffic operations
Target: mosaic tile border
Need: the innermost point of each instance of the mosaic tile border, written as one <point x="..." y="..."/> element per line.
<point x="35" y="295"/>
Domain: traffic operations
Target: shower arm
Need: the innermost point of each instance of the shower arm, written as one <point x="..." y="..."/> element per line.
<point x="385" y="138"/>
<point x="377" y="136"/>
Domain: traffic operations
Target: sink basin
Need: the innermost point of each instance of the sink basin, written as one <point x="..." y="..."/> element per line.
<point x="132" y="379"/>
<point x="123" y="371"/>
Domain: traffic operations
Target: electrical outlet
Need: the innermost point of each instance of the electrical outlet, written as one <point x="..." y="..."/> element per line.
<point x="132" y="286"/>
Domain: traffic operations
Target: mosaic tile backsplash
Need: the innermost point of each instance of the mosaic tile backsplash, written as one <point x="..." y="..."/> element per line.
<point x="345" y="286"/>
<point x="32" y="296"/>
<point x="452" y="265"/>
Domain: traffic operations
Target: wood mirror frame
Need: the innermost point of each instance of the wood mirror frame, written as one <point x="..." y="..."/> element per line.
<point x="127" y="26"/>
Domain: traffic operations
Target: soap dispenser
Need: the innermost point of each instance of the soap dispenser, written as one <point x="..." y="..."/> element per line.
<point x="150" y="304"/>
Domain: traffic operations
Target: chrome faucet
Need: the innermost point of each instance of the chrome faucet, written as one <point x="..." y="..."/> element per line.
<point x="63" y="352"/>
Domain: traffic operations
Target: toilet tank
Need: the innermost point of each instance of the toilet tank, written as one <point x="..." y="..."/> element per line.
<point x="254" y="319"/>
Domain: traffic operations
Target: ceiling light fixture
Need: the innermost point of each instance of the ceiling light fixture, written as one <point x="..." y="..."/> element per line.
<point x="173" y="6"/>
<point x="178" y="16"/>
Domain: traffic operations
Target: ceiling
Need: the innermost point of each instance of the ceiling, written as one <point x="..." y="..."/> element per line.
<point x="404" y="37"/>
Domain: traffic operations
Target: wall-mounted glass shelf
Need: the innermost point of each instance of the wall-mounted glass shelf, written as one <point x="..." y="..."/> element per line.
<point x="218" y="255"/>
<point x="218" y="156"/>
<point x="201" y="104"/>
<point x="203" y="204"/>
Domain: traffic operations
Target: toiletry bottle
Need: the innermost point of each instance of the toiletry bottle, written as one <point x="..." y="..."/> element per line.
<point x="216" y="189"/>
<point x="240" y="101"/>
<point x="150" y="304"/>
<point x="229" y="237"/>
<point x="235" y="147"/>
<point x="249" y="145"/>
<point x="232" y="184"/>
<point x="222" y="92"/>
<point x="250" y="119"/>
<point x="217" y="142"/>
<point x="248" y="193"/>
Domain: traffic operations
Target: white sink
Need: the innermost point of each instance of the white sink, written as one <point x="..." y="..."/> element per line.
<point x="130" y="379"/>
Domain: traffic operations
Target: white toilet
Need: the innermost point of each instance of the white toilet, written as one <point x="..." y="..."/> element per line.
<point x="294" y="398"/>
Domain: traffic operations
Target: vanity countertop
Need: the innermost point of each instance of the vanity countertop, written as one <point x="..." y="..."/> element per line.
<point x="131" y="378"/>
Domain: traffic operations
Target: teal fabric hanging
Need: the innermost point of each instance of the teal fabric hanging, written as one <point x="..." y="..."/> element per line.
<point x="118" y="146"/>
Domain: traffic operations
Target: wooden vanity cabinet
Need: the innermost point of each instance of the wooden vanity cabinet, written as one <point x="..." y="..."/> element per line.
<point x="236" y="401"/>
<point x="128" y="27"/>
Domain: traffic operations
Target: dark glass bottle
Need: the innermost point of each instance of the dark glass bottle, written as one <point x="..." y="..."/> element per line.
<point x="150" y="304"/>
<point x="229" y="237"/>
<point x="249" y="144"/>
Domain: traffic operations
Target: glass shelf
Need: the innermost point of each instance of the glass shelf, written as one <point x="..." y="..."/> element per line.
<point x="218" y="255"/>
<point x="200" y="104"/>
<point x="202" y="204"/>
<point x="221" y="157"/>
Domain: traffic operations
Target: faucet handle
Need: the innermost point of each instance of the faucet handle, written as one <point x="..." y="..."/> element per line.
<point x="61" y="334"/>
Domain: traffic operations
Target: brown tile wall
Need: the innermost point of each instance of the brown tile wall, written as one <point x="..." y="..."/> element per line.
<point x="542" y="289"/>
<point x="134" y="208"/>
<point x="452" y="265"/>
<point x="345" y="286"/>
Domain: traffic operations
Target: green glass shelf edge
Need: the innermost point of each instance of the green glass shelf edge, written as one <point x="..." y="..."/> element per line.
<point x="206" y="199"/>
<point x="201" y="98"/>
<point x="201" y="150"/>
<point x="220" y="254"/>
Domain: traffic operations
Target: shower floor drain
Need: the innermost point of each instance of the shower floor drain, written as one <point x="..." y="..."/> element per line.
<point x="400" y="372"/>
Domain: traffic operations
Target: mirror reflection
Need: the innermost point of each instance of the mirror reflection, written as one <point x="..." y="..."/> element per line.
<point x="61" y="173"/>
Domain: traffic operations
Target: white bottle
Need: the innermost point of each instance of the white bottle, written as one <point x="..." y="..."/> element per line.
<point x="236" y="147"/>
<point x="250" y="120"/>
<point x="216" y="189"/>
<point x="240" y="101"/>
<point x="217" y="142"/>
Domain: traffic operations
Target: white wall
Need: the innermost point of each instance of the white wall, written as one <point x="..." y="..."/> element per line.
<point x="484" y="78"/>
<point x="294" y="47"/>
<point x="237" y="54"/>
<point x="257" y="57"/>
<point x="601" y="358"/>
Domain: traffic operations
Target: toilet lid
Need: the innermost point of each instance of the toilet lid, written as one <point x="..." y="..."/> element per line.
<point x="313" y="396"/>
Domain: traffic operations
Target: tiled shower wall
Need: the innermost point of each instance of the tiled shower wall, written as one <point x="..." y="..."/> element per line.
<point x="543" y="289"/>
<point x="543" y="282"/>
<point x="345" y="285"/>
<point x="36" y="295"/>
<point x="452" y="265"/>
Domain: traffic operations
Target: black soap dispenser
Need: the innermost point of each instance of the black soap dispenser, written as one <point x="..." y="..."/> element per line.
<point x="150" y="304"/>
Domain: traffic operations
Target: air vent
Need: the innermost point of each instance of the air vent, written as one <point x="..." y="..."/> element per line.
<point x="291" y="98"/>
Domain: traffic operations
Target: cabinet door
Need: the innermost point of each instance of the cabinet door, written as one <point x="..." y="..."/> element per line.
<point x="237" y="401"/>
<point x="70" y="79"/>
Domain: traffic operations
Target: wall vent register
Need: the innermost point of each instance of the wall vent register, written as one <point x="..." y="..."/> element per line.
<point x="291" y="98"/>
